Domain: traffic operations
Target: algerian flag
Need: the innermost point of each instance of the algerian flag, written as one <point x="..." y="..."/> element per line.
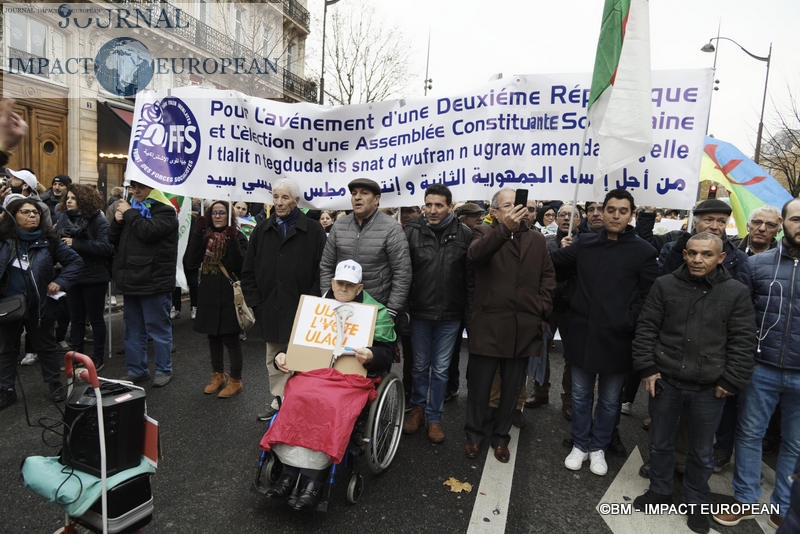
<point x="620" y="109"/>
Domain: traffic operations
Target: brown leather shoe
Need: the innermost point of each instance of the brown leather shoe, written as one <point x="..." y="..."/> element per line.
<point x="435" y="432"/>
<point x="414" y="420"/>
<point x="218" y="381"/>
<point x="732" y="519"/>
<point x="502" y="454"/>
<point x="472" y="450"/>
<point x="234" y="387"/>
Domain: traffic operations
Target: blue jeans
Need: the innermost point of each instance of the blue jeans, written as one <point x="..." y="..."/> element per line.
<point x="433" y="348"/>
<point x="148" y="315"/>
<point x="768" y="387"/>
<point x="702" y="411"/>
<point x="594" y="434"/>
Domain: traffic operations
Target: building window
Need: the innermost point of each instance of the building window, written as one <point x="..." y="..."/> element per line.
<point x="28" y="35"/>
<point x="202" y="11"/>
<point x="240" y="29"/>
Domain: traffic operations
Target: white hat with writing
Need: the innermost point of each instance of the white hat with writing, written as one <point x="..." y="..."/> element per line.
<point x="348" y="271"/>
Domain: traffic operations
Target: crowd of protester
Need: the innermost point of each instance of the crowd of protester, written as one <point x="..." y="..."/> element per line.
<point x="703" y="321"/>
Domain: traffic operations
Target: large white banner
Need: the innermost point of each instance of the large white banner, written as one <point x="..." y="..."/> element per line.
<point x="526" y="131"/>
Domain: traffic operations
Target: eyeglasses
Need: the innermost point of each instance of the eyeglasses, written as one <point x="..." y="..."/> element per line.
<point x="531" y="209"/>
<point x="565" y="215"/>
<point x="756" y="223"/>
<point x="219" y="213"/>
<point x="29" y="212"/>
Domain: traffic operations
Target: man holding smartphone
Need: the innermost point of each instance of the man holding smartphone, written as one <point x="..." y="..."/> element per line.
<point x="693" y="348"/>
<point x="514" y="285"/>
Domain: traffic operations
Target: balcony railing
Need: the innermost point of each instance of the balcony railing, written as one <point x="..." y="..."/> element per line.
<point x="219" y="44"/>
<point x="293" y="9"/>
<point x="297" y="86"/>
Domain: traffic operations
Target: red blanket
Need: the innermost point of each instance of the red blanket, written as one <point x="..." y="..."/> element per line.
<point x="319" y="411"/>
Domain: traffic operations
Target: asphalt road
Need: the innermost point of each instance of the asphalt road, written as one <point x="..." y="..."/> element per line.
<point x="210" y="451"/>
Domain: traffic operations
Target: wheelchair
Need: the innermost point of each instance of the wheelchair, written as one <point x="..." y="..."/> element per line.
<point x="375" y="437"/>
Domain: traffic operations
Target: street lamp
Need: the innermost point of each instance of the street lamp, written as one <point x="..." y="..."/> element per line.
<point x="709" y="47"/>
<point x="428" y="80"/>
<point x="324" y="24"/>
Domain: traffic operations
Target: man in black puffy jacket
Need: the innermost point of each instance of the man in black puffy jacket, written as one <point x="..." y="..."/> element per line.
<point x="145" y="235"/>
<point x="693" y="348"/>
<point x="438" y="244"/>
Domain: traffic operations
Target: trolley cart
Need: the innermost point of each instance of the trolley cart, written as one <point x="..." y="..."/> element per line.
<point x="132" y="501"/>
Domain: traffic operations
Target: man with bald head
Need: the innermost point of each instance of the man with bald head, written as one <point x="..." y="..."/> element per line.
<point x="693" y="348"/>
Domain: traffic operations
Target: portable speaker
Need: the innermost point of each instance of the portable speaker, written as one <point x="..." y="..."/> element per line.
<point x="123" y="417"/>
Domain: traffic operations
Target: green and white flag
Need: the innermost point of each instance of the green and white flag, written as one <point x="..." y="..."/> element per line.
<point x="620" y="108"/>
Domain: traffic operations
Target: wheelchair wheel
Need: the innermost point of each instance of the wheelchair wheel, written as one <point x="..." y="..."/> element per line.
<point x="355" y="488"/>
<point x="274" y="468"/>
<point x="384" y="423"/>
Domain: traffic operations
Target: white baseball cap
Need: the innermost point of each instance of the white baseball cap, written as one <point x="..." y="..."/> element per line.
<point x="348" y="271"/>
<point x="26" y="176"/>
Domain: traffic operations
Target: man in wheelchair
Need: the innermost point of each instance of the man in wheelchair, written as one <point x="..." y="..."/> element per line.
<point x="320" y="407"/>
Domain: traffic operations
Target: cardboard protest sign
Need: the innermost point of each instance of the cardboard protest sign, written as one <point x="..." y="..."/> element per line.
<point x="317" y="334"/>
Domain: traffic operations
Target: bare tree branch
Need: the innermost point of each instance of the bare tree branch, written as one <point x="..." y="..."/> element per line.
<point x="368" y="61"/>
<point x="780" y="155"/>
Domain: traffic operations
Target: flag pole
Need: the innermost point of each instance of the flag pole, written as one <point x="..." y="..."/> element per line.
<point x="578" y="182"/>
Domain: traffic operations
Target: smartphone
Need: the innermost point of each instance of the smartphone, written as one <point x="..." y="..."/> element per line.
<point x="521" y="197"/>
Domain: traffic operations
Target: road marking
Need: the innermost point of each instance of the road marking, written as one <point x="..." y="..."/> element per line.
<point x="628" y="485"/>
<point x="490" y="512"/>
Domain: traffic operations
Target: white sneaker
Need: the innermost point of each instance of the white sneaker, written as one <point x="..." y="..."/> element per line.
<point x="626" y="408"/>
<point x="29" y="359"/>
<point x="194" y="312"/>
<point x="174" y="314"/>
<point x="598" y="463"/>
<point x="575" y="459"/>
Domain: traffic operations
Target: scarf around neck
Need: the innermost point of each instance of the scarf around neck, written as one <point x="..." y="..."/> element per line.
<point x="145" y="205"/>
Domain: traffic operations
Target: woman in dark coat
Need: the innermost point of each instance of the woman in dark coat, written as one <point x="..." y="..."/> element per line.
<point x="215" y="244"/>
<point x="83" y="227"/>
<point x="29" y="251"/>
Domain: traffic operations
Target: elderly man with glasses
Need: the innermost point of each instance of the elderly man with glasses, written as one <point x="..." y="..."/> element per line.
<point x="763" y="226"/>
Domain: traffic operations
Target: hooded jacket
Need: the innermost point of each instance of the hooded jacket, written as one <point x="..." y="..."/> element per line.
<point x="775" y="286"/>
